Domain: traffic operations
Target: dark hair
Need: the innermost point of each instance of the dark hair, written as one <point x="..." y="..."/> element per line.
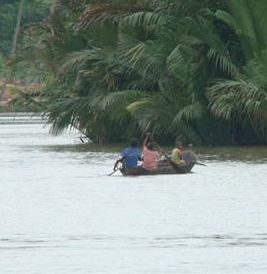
<point x="134" y="142"/>
<point x="151" y="145"/>
<point x="179" y="143"/>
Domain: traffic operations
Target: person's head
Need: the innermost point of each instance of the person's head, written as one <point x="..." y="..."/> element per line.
<point x="134" y="142"/>
<point x="179" y="144"/>
<point x="151" y="146"/>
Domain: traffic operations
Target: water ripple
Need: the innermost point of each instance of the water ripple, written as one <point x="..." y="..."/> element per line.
<point x="104" y="242"/>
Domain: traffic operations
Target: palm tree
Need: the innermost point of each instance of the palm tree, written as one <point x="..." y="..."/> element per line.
<point x="118" y="67"/>
<point x="150" y="62"/>
<point x="242" y="99"/>
<point x="177" y="68"/>
<point x="17" y="29"/>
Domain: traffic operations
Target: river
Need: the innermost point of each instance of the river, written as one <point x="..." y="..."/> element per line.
<point x="61" y="213"/>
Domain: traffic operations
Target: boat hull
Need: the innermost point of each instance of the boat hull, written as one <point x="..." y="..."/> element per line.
<point x="164" y="167"/>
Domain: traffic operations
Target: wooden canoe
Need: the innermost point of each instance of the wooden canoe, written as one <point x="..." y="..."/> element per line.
<point x="164" y="167"/>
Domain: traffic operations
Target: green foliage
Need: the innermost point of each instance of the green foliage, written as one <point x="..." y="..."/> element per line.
<point x="34" y="11"/>
<point x="243" y="98"/>
<point x="7" y="25"/>
<point x="114" y="68"/>
<point x="2" y="66"/>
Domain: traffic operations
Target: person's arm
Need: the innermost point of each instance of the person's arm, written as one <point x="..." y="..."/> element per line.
<point x="147" y="139"/>
<point x="174" y="154"/>
<point x="117" y="162"/>
<point x="180" y="153"/>
<point x="120" y="160"/>
<point x="141" y="156"/>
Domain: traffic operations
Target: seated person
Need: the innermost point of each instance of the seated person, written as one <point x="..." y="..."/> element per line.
<point x="177" y="153"/>
<point x="130" y="155"/>
<point x="151" y="156"/>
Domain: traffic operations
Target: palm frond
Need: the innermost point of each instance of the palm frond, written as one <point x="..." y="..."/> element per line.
<point x="203" y="35"/>
<point x="119" y="98"/>
<point x="75" y="60"/>
<point x="189" y="113"/>
<point x="182" y="63"/>
<point x="167" y="114"/>
<point x="248" y="19"/>
<point x="102" y="13"/>
<point x="67" y="112"/>
<point x="148" y="58"/>
<point x="231" y="97"/>
<point x="256" y="69"/>
<point x="223" y="62"/>
<point x="149" y="21"/>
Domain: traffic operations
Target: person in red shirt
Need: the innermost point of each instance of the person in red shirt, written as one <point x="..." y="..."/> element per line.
<point x="151" y="156"/>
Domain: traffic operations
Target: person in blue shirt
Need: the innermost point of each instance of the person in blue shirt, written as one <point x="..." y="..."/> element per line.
<point x="130" y="155"/>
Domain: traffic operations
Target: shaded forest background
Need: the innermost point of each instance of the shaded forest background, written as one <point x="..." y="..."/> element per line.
<point x="115" y="69"/>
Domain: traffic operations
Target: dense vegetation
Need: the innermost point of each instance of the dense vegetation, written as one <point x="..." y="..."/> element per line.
<point x="33" y="12"/>
<point x="188" y="68"/>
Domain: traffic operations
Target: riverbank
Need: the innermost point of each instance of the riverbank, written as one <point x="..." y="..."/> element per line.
<point x="12" y="92"/>
<point x="37" y="118"/>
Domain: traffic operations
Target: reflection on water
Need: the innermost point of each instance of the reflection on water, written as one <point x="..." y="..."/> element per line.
<point x="20" y="118"/>
<point x="243" y="154"/>
<point x="61" y="213"/>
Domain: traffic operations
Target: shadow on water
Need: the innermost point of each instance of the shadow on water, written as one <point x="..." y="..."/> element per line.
<point x="233" y="154"/>
<point x="78" y="147"/>
<point x="221" y="154"/>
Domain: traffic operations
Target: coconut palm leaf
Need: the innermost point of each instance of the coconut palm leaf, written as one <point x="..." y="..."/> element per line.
<point x="222" y="61"/>
<point x="248" y="18"/>
<point x="239" y="100"/>
<point x="189" y="113"/>
<point x="203" y="37"/>
<point x="167" y="114"/>
<point x="75" y="61"/>
<point x="181" y="63"/>
<point x="119" y="98"/>
<point x="149" y="21"/>
<point x="148" y="58"/>
<point x="101" y="13"/>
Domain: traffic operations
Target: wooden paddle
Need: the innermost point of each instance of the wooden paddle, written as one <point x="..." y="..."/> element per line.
<point x="198" y="163"/>
<point x="113" y="172"/>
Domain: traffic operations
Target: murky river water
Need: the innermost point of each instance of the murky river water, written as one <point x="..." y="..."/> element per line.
<point x="61" y="213"/>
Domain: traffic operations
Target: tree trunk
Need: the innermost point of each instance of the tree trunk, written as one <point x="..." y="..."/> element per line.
<point x="17" y="29"/>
